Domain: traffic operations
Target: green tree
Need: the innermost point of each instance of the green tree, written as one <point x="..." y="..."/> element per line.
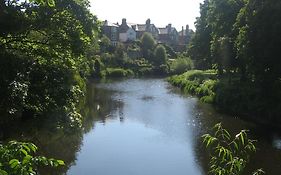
<point x="105" y="45"/>
<point x="259" y="39"/>
<point x="44" y="57"/>
<point x="148" y="44"/>
<point x="258" y="47"/>
<point x="199" y="46"/>
<point x="223" y="33"/>
<point x="160" y="55"/>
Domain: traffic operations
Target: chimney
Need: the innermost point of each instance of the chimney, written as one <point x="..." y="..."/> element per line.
<point x="169" y="28"/>
<point x="147" y="22"/>
<point x="182" y="31"/>
<point x="134" y="27"/>
<point x="187" y="29"/>
<point x="124" y="21"/>
<point x="147" y="25"/>
<point x="105" y="23"/>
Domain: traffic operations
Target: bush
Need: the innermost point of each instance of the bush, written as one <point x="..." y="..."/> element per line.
<point x="242" y="97"/>
<point x="181" y="65"/>
<point x="229" y="155"/>
<point x="17" y="158"/>
<point x="145" y="71"/>
<point x="197" y="82"/>
<point x="117" y="72"/>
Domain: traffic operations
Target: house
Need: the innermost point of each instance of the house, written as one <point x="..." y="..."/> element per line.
<point x="168" y="35"/>
<point x="126" y="32"/>
<point x="111" y="31"/>
<point x="147" y="27"/>
<point x="185" y="35"/>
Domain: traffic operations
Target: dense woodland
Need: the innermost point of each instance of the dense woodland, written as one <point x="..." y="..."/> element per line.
<point x="240" y="40"/>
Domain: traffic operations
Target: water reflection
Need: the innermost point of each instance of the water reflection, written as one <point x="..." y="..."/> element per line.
<point x="142" y="126"/>
<point x="147" y="130"/>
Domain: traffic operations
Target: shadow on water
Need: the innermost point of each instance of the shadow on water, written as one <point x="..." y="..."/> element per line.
<point x="63" y="143"/>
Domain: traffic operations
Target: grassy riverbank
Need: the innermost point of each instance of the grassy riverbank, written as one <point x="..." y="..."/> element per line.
<point x="230" y="95"/>
<point x="197" y="82"/>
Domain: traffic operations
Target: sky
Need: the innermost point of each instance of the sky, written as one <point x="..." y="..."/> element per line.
<point x="161" y="12"/>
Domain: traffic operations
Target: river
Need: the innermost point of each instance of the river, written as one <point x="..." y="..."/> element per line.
<point x="147" y="127"/>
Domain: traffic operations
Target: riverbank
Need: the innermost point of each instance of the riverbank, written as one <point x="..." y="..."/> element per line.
<point x="228" y="95"/>
<point x="197" y="82"/>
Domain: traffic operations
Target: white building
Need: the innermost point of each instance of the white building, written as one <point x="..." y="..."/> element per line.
<point x="126" y="32"/>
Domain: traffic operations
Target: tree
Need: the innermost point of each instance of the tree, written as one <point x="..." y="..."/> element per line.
<point x="259" y="39"/>
<point x="258" y="47"/>
<point x="241" y="39"/>
<point x="160" y="55"/>
<point x="199" y="46"/>
<point x="43" y="57"/>
<point x="105" y="45"/>
<point x="223" y="33"/>
<point x="148" y="44"/>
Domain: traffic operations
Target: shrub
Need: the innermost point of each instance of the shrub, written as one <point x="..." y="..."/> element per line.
<point x="197" y="82"/>
<point x="181" y="65"/>
<point x="17" y="158"/>
<point x="118" y="72"/>
<point x="145" y="71"/>
<point x="229" y="155"/>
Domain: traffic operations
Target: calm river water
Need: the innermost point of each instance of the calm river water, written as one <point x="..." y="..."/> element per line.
<point x="143" y="127"/>
<point x="147" y="127"/>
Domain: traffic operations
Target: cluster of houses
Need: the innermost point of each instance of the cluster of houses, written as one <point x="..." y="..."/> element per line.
<point x="128" y="32"/>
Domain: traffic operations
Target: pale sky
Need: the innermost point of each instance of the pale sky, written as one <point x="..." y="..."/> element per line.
<point x="161" y="12"/>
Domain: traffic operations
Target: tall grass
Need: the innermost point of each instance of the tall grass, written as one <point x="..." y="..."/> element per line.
<point x="197" y="82"/>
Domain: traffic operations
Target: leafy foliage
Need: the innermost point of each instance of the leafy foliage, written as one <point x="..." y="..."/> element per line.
<point x="148" y="44"/>
<point x="160" y="55"/>
<point x="181" y="65"/>
<point x="18" y="158"/>
<point x="118" y="72"/>
<point x="197" y="82"/>
<point x="45" y="55"/>
<point x="241" y="40"/>
<point x="229" y="155"/>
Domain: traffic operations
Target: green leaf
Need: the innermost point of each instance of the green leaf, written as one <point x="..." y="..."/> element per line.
<point x="24" y="151"/>
<point x="26" y="159"/>
<point x="26" y="147"/>
<point x="51" y="3"/>
<point x="235" y="145"/>
<point x="2" y="172"/>
<point x="242" y="139"/>
<point x="32" y="147"/>
<point x="13" y="163"/>
<point x="61" y="162"/>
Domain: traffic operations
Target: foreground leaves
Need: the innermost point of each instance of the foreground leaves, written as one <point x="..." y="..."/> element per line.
<point x="229" y="155"/>
<point x="18" y="158"/>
